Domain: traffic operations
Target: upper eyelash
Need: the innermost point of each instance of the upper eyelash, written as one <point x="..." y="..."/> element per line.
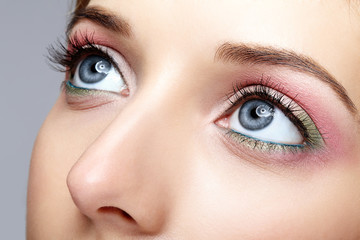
<point x="265" y="89"/>
<point x="65" y="57"/>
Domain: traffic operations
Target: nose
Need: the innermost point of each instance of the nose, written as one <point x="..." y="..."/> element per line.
<point x="124" y="179"/>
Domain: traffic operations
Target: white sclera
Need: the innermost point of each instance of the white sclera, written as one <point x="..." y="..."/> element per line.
<point x="281" y="130"/>
<point x="113" y="82"/>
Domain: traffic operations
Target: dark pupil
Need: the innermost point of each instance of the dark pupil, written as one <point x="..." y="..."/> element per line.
<point x="93" y="69"/>
<point x="256" y="114"/>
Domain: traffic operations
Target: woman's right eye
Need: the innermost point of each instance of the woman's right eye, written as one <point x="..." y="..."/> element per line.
<point x="96" y="72"/>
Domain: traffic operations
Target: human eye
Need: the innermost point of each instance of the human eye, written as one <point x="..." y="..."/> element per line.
<point x="96" y="72"/>
<point x="90" y="67"/>
<point x="266" y="119"/>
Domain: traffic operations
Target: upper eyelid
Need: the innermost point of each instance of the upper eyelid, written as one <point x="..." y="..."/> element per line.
<point x="265" y="83"/>
<point x="94" y="49"/>
<point x="79" y="44"/>
<point x="241" y="53"/>
<point x="277" y="97"/>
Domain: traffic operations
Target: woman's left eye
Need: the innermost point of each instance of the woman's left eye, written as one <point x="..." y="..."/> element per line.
<point x="96" y="72"/>
<point x="261" y="120"/>
<point x="267" y="118"/>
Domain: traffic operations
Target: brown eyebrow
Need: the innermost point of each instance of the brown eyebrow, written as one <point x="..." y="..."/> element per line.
<point x="102" y="17"/>
<point x="255" y="54"/>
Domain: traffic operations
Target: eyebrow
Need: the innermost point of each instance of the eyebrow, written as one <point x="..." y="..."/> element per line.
<point x="102" y="17"/>
<point x="255" y="54"/>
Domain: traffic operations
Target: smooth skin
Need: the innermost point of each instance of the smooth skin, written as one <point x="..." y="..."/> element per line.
<point x="156" y="164"/>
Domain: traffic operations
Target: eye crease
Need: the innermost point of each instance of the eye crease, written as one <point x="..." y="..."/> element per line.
<point x="266" y="119"/>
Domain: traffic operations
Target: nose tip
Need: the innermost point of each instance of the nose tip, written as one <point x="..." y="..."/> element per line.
<point x="98" y="203"/>
<point x="114" y="196"/>
<point x="92" y="193"/>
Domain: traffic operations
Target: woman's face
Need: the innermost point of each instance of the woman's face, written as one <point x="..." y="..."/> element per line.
<point x="203" y="120"/>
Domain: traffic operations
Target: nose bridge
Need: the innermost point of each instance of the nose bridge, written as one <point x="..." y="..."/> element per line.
<point x="132" y="164"/>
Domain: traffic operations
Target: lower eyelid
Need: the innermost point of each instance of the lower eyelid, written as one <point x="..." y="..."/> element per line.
<point x="283" y="145"/>
<point x="261" y="145"/>
<point x="71" y="89"/>
<point x="85" y="99"/>
<point x="79" y="91"/>
<point x="272" y="157"/>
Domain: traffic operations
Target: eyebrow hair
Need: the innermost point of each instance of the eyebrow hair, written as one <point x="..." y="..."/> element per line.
<point x="255" y="54"/>
<point x="102" y="17"/>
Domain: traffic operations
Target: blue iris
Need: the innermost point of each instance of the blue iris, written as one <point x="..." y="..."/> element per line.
<point x="94" y="68"/>
<point x="256" y="114"/>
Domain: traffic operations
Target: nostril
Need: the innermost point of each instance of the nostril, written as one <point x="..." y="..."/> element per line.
<point x="117" y="211"/>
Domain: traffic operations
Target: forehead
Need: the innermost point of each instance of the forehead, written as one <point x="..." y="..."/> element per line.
<point x="308" y="27"/>
<point x="274" y="22"/>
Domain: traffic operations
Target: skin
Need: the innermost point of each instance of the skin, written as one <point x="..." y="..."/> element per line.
<point x="156" y="164"/>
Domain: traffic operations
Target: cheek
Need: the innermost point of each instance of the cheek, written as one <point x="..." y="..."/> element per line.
<point x="230" y="198"/>
<point x="64" y="136"/>
<point x="225" y="196"/>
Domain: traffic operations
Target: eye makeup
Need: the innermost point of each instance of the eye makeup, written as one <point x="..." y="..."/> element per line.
<point x="74" y="57"/>
<point x="91" y="68"/>
<point x="264" y="91"/>
<point x="66" y="58"/>
<point x="280" y="91"/>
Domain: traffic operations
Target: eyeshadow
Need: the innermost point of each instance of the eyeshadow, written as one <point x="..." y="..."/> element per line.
<point x="72" y="90"/>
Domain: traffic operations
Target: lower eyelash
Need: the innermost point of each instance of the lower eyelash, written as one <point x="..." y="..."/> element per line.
<point x="74" y="90"/>
<point x="262" y="145"/>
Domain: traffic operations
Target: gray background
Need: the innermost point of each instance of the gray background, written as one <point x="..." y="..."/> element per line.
<point x="29" y="87"/>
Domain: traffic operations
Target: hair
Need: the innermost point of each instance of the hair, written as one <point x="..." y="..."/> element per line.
<point x="354" y="4"/>
<point x="80" y="4"/>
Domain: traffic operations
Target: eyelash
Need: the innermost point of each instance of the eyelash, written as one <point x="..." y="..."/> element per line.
<point x="264" y="90"/>
<point x="66" y="57"/>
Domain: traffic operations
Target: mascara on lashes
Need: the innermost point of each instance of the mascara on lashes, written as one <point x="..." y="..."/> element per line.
<point x="304" y="123"/>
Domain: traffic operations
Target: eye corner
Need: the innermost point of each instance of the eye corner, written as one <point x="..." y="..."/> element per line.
<point x="223" y="121"/>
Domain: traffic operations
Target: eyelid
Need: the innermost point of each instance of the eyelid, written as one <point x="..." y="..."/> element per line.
<point x="79" y="52"/>
<point x="66" y="57"/>
<point x="291" y="109"/>
<point x="86" y="99"/>
<point x="242" y="93"/>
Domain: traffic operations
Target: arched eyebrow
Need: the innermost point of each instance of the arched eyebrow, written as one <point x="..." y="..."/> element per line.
<point x="256" y="54"/>
<point x="102" y="17"/>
